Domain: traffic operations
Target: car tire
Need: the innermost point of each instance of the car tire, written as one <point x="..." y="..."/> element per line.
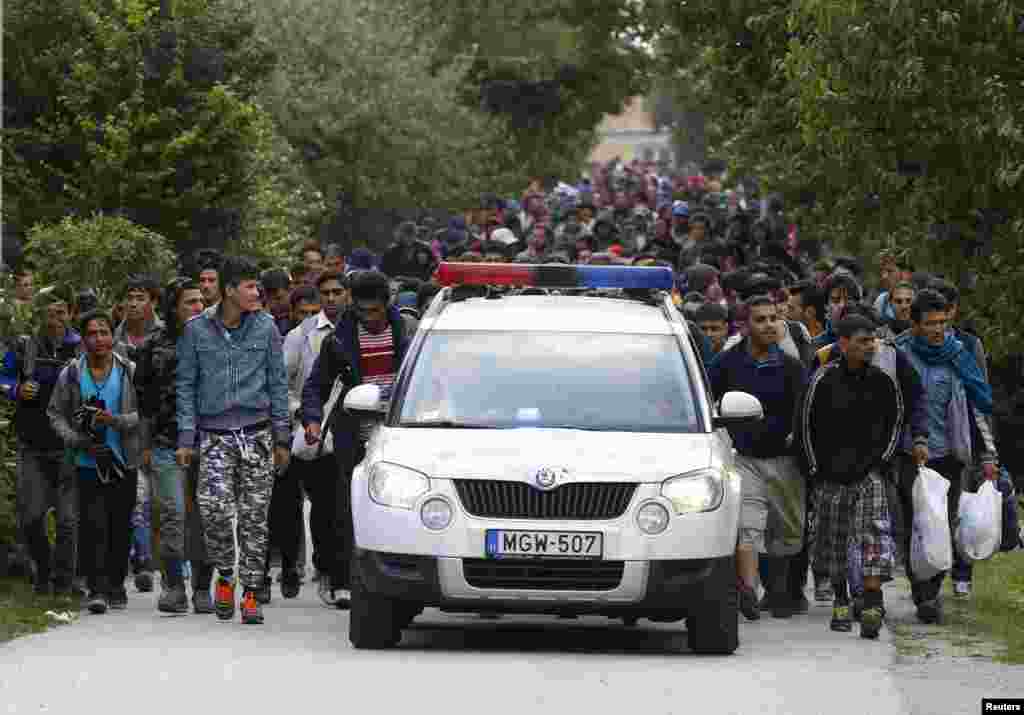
<point x="713" y="627"/>
<point x="375" y="622"/>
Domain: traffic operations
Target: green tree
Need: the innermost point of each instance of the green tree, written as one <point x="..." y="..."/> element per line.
<point x="141" y="106"/>
<point x="923" y="105"/>
<point x="98" y="253"/>
<point x="884" y="126"/>
<point x="593" y="50"/>
<point x="285" y="208"/>
<point x="354" y="94"/>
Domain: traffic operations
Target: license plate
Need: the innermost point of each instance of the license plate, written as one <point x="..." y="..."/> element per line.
<point x="545" y="544"/>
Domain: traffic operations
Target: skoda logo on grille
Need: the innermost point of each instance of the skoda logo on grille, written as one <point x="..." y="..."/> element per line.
<point x="547" y="477"/>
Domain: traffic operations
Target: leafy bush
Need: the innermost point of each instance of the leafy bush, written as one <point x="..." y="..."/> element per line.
<point x="7" y="475"/>
<point x="99" y="253"/>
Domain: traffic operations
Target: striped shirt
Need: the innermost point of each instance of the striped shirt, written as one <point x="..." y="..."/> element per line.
<point x="377" y="365"/>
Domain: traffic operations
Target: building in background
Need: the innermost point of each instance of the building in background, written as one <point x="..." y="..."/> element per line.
<point x="632" y="135"/>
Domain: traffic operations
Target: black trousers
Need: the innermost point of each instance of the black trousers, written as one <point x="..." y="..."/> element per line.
<point x="341" y="528"/>
<point x="287" y="522"/>
<point x="105" y="529"/>
<point x="950" y="468"/>
<point x="45" y="482"/>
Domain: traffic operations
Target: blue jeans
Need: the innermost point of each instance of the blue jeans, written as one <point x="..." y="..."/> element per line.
<point x="141" y="549"/>
<point x="169" y="492"/>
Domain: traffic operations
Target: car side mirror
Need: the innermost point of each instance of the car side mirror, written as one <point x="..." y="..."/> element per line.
<point x="365" y="401"/>
<point x="738" y="408"/>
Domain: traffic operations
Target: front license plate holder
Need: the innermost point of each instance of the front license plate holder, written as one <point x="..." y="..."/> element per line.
<point x="533" y="544"/>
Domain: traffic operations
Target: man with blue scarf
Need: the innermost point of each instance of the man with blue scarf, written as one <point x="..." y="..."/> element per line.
<point x="957" y="398"/>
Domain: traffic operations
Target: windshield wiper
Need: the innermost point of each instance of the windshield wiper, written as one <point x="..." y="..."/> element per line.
<point x="446" y="424"/>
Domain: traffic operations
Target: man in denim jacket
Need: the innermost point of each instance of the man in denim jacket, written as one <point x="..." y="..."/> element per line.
<point x="232" y="398"/>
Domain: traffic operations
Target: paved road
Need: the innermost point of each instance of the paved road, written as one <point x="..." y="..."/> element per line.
<point x="140" y="662"/>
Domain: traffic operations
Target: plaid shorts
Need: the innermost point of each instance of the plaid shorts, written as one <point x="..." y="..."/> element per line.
<point x="854" y="520"/>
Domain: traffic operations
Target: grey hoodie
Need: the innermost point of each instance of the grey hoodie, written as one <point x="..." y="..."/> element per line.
<point x="67" y="398"/>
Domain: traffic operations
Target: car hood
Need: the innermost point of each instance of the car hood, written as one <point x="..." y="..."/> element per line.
<point x="516" y="454"/>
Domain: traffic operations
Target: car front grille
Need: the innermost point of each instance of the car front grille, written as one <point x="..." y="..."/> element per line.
<point x="518" y="500"/>
<point x="543" y="574"/>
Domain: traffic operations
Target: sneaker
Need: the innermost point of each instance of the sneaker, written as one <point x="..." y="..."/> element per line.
<point x="930" y="611"/>
<point x="962" y="589"/>
<point x="173" y="599"/>
<point x="263" y="594"/>
<point x="858" y="607"/>
<point x="97" y="603"/>
<point x="748" y="602"/>
<point x="252" y="611"/>
<point x="841" y="621"/>
<point x="342" y="598"/>
<point x="144" y="581"/>
<point x="118" y="600"/>
<point x="202" y="602"/>
<point x="291" y="584"/>
<point x="823" y="591"/>
<point x="871" y="622"/>
<point x="224" y="602"/>
<point x="323" y="590"/>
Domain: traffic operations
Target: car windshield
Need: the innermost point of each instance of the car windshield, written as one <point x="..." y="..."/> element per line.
<point x="589" y="381"/>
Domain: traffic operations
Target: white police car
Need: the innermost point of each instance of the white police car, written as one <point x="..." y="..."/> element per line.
<point x="553" y="454"/>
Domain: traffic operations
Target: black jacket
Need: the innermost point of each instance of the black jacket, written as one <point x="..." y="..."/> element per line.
<point x="154" y="384"/>
<point x="339" y="355"/>
<point x="850" y="422"/>
<point x="31" y="423"/>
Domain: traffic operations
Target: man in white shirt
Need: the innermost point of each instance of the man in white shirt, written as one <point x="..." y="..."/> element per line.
<point x="309" y="465"/>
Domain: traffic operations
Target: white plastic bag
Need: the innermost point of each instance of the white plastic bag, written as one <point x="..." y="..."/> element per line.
<point x="931" y="544"/>
<point x="309" y="452"/>
<point x="979" y="530"/>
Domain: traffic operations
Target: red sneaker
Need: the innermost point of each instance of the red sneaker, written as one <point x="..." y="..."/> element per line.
<point x="252" y="611"/>
<point x="224" y="599"/>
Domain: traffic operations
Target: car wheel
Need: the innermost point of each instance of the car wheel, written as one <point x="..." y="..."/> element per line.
<point x="713" y="627"/>
<point x="374" y="622"/>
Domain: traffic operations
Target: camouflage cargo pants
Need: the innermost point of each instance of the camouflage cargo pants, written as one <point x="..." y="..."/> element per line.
<point x="236" y="478"/>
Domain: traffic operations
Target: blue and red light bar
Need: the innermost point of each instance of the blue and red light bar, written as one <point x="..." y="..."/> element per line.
<point x="555" y="276"/>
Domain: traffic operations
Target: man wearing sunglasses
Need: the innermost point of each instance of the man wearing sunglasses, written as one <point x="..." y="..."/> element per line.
<point x="367" y="346"/>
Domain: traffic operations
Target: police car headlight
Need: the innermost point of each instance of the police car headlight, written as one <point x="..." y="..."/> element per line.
<point x="396" y="486"/>
<point x="694" y="492"/>
<point x="436" y="514"/>
<point x="652" y="518"/>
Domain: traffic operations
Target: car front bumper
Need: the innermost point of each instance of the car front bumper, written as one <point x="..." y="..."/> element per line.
<point x="651" y="588"/>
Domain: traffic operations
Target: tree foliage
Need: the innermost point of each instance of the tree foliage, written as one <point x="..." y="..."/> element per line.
<point x="99" y="253"/>
<point x="592" y="50"/>
<point x="884" y="125"/>
<point x="140" y="106"/>
<point x="355" y="94"/>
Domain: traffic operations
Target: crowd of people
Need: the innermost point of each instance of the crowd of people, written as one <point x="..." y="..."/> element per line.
<point x="215" y="397"/>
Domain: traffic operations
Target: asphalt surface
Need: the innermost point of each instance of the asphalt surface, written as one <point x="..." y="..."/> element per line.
<point x="141" y="662"/>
